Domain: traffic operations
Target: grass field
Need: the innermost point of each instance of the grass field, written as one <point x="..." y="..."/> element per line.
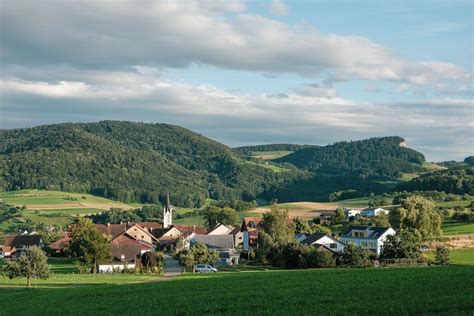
<point x="451" y="227"/>
<point x="64" y="204"/>
<point x="415" y="291"/>
<point x="463" y="256"/>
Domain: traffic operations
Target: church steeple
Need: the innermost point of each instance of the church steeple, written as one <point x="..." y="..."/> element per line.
<point x="167" y="213"/>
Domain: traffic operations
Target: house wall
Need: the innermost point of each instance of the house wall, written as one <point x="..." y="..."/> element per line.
<point x="109" y="268"/>
<point x="220" y="230"/>
<point x="138" y="233"/>
<point x="238" y="239"/>
<point x="327" y="241"/>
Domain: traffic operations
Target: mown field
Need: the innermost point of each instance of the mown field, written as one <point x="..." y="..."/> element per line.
<point x="464" y="256"/>
<point x="453" y="227"/>
<point x="270" y="155"/>
<point x="415" y="291"/>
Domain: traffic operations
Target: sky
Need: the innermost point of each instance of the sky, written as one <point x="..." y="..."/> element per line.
<point x="247" y="72"/>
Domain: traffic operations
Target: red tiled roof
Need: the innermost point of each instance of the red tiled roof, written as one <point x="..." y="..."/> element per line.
<point x="61" y="243"/>
<point x="111" y="229"/>
<point x="142" y="244"/>
<point x="150" y="225"/>
<point x="8" y="249"/>
<point x="256" y="220"/>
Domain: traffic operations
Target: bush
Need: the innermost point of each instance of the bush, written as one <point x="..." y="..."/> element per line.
<point x="442" y="256"/>
<point x="320" y="259"/>
<point x="355" y="257"/>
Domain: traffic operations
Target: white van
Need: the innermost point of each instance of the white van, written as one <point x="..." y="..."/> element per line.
<point x="205" y="268"/>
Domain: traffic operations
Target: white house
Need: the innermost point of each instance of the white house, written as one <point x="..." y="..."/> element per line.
<point x="367" y="237"/>
<point x="352" y="213"/>
<point x="371" y="212"/>
<point x="221" y="229"/>
<point x="320" y="239"/>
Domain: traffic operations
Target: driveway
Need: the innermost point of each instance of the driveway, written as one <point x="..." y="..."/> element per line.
<point x="172" y="267"/>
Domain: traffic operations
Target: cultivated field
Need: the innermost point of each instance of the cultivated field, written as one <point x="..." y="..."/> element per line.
<point x="415" y="291"/>
<point x="269" y="155"/>
<point x="302" y="209"/>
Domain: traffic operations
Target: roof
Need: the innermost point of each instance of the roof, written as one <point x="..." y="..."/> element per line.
<point x="112" y="229"/>
<point x="256" y="220"/>
<point x="129" y="251"/>
<point x="149" y="225"/>
<point x="20" y="241"/>
<point x="185" y="229"/>
<point x="215" y="241"/>
<point x="142" y="244"/>
<point x="375" y="232"/>
<point x="8" y="249"/>
<point x="313" y="238"/>
<point x="234" y="231"/>
<point x="61" y="243"/>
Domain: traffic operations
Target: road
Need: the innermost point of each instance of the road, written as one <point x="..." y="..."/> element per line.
<point x="172" y="267"/>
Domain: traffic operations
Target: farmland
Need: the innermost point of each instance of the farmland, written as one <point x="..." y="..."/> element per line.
<point x="429" y="290"/>
<point x="463" y="256"/>
<point x="452" y="227"/>
<point x="270" y="155"/>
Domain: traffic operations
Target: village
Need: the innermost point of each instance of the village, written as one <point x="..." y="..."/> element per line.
<point x="130" y="242"/>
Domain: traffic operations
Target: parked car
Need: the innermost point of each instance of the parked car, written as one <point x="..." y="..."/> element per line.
<point x="205" y="268"/>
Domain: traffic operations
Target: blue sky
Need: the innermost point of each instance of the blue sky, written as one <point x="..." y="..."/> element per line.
<point x="247" y="72"/>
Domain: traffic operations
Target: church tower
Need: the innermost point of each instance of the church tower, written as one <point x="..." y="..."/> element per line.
<point x="168" y="213"/>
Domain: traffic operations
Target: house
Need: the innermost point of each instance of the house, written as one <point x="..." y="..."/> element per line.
<point x="221" y="229"/>
<point x="367" y="237"/>
<point x="300" y="237"/>
<point x="7" y="251"/>
<point x="60" y="246"/>
<point x="329" y="242"/>
<point x="124" y="256"/>
<point x="250" y="227"/>
<point x="128" y="230"/>
<point x="326" y="217"/>
<point x="21" y="242"/>
<point x="224" y="244"/>
<point x="352" y="213"/>
<point x="371" y="212"/>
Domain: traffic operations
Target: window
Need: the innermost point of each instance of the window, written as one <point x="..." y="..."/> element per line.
<point x="333" y="246"/>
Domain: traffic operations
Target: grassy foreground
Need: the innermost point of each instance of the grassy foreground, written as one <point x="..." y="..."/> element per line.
<point x="428" y="290"/>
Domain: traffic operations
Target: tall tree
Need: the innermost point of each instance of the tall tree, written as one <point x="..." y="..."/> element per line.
<point x="32" y="265"/>
<point x="89" y="245"/>
<point x="278" y="225"/>
<point x="214" y="215"/>
<point x="419" y="215"/>
<point x="405" y="244"/>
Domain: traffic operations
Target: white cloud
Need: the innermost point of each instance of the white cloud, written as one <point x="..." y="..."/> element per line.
<point x="278" y="7"/>
<point x="98" y="34"/>
<point x="236" y="118"/>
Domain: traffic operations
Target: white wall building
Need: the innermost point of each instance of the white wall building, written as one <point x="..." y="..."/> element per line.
<point x="367" y="237"/>
<point x="371" y="212"/>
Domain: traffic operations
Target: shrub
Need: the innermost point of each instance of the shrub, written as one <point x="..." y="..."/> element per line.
<point x="355" y="257"/>
<point x="442" y="256"/>
<point x="320" y="259"/>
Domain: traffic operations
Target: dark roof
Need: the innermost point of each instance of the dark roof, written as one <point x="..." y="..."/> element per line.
<point x="149" y="225"/>
<point x="216" y="241"/>
<point x="158" y="232"/>
<point x="236" y="230"/>
<point x="20" y="241"/>
<point x="312" y="238"/>
<point x="375" y="231"/>
<point x="111" y="229"/>
<point x="129" y="250"/>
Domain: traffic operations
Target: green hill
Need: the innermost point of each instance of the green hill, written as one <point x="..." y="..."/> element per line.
<point x="385" y="156"/>
<point x="131" y="162"/>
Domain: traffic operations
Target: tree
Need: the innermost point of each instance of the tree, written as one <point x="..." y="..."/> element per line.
<point x="89" y="245"/>
<point x="320" y="259"/>
<point x="214" y="215"/>
<point x="418" y="215"/>
<point x="276" y="223"/>
<point x="302" y="226"/>
<point x="355" y="256"/>
<point x="187" y="259"/>
<point x="317" y="228"/>
<point x="405" y="244"/>
<point x="442" y="256"/>
<point x="340" y="216"/>
<point x="148" y="261"/>
<point x="32" y="265"/>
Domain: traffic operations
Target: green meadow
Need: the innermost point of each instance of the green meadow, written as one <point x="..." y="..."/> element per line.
<point x="401" y="291"/>
<point x="463" y="256"/>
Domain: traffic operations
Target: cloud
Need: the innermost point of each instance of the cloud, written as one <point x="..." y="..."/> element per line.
<point x="98" y="34"/>
<point x="236" y="118"/>
<point x="278" y="7"/>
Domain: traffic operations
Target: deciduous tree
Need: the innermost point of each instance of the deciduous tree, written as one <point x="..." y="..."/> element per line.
<point x="32" y="265"/>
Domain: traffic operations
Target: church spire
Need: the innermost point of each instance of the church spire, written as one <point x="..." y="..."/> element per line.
<point x="167" y="213"/>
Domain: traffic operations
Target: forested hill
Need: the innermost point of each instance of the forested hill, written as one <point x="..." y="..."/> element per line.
<point x="131" y="162"/>
<point x="384" y="156"/>
<point x="138" y="162"/>
<point x="250" y="150"/>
